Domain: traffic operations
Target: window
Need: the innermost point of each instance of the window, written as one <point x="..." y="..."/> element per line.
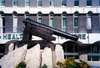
<point x="93" y="58"/>
<point x="39" y="17"/>
<point x="75" y="25"/>
<point x="99" y="2"/>
<point x="99" y="23"/>
<point x="51" y="22"/>
<point x="2" y="49"/>
<point x="27" y="14"/>
<point x="76" y="22"/>
<point x="88" y="23"/>
<point x="27" y="2"/>
<point x="94" y="52"/>
<point x="15" y="22"/>
<point x="51" y="19"/>
<point x="15" y="2"/>
<point x="1" y="25"/>
<point x="40" y="20"/>
<point x="89" y="2"/>
<point x="64" y="24"/>
<point x="72" y="50"/>
<point x="76" y="2"/>
<point x="64" y="2"/>
<point x="2" y="2"/>
<point x="95" y="49"/>
<point x="51" y="2"/>
<point x="72" y="47"/>
<point x="39" y="2"/>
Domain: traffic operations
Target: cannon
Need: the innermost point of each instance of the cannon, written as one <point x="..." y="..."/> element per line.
<point x="43" y="31"/>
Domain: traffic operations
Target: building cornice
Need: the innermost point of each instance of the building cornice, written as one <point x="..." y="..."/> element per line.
<point x="47" y="10"/>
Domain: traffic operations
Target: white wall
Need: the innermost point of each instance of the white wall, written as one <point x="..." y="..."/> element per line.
<point x="47" y="10"/>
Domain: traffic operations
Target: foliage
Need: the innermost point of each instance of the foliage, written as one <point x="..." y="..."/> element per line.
<point x="44" y="66"/>
<point x="70" y="63"/>
<point x="22" y="64"/>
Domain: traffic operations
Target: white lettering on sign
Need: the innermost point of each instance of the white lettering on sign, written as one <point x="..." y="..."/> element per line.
<point x="12" y="36"/>
<point x="80" y="36"/>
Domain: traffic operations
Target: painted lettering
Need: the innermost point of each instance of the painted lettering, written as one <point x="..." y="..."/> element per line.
<point x="12" y="36"/>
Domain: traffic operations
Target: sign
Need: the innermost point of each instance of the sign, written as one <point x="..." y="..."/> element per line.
<point x="11" y="36"/>
<point x="83" y="37"/>
<point x="80" y="36"/>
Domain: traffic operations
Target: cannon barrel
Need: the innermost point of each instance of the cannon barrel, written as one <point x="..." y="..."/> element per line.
<point x="55" y="31"/>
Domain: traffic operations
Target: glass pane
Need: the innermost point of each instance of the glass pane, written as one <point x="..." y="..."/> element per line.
<point x="75" y="21"/>
<point x="63" y="2"/>
<point x="76" y="57"/>
<point x="75" y="30"/>
<point x="65" y="56"/>
<point x="76" y="3"/>
<point x="15" y="2"/>
<point x="2" y="2"/>
<point x="88" y="23"/>
<point x="89" y="48"/>
<point x="52" y="3"/>
<point x="99" y="2"/>
<point x="89" y="58"/>
<point x="70" y="56"/>
<point x="89" y="2"/>
<point x="95" y="48"/>
<point x="15" y="24"/>
<point x="95" y="58"/>
<point x="76" y="48"/>
<point x="40" y="3"/>
<point x="51" y="22"/>
<point x="70" y="47"/>
<point x="27" y="3"/>
<point x="64" y="22"/>
<point x="40" y="20"/>
<point x="1" y="25"/>
<point x="2" y="49"/>
<point x="64" y="29"/>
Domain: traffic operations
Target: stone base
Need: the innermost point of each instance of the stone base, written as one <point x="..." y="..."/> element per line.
<point x="34" y="57"/>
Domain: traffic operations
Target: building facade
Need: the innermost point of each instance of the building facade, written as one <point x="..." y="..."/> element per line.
<point x="79" y="17"/>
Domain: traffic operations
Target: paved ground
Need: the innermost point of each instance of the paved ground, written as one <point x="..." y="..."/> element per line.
<point x="94" y="65"/>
